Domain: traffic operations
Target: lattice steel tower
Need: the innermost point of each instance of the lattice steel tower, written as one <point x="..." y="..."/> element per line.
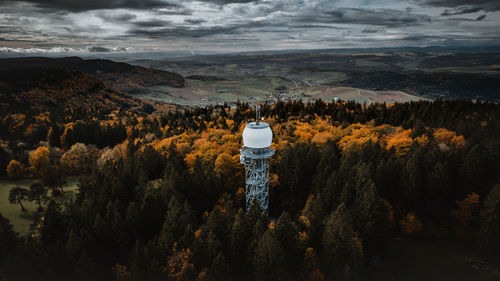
<point x="255" y="155"/>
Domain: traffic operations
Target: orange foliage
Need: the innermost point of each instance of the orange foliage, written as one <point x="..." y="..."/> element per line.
<point x="449" y="138"/>
<point x="465" y="214"/>
<point x="359" y="135"/>
<point x="322" y="138"/>
<point x="15" y="169"/>
<point x="305" y="221"/>
<point x="411" y="224"/>
<point x="401" y="141"/>
<point x="40" y="160"/>
<point x="178" y="264"/>
<point x="422" y="140"/>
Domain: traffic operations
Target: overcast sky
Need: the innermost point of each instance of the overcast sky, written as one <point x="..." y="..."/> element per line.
<point x="90" y="26"/>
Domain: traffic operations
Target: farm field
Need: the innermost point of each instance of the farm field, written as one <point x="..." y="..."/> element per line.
<point x="22" y="221"/>
<point x="262" y="89"/>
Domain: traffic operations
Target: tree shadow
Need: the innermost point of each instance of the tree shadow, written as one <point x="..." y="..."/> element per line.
<point x="28" y="215"/>
<point x="65" y="197"/>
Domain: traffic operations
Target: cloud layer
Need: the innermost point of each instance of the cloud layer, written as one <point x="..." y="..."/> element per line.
<point x="106" y="26"/>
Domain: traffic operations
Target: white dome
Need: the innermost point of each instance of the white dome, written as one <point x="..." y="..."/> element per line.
<point x="257" y="135"/>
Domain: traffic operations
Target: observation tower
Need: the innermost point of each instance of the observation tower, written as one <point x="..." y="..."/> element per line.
<point x="255" y="155"/>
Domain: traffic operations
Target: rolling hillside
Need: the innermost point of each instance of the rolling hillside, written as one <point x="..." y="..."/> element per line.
<point x="38" y="90"/>
<point x="118" y="75"/>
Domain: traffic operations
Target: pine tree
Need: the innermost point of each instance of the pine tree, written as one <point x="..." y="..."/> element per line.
<point x="341" y="246"/>
<point x="490" y="226"/>
<point x="269" y="259"/>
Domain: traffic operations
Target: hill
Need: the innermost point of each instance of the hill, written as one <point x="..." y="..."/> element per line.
<point x="40" y="89"/>
<point x="121" y="76"/>
<point x="429" y="84"/>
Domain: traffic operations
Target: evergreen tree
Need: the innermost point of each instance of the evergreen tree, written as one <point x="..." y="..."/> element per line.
<point x="490" y="226"/>
<point x="341" y="246"/>
<point x="269" y="259"/>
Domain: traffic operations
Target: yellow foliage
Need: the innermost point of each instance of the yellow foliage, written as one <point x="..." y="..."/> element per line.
<point x="240" y="191"/>
<point x="411" y="224"/>
<point x="178" y="264"/>
<point x="316" y="275"/>
<point x="305" y="221"/>
<point x="40" y="160"/>
<point x="443" y="135"/>
<point x="225" y="165"/>
<point x="465" y="214"/>
<point x="302" y="235"/>
<point x="15" y="169"/>
<point x="401" y="141"/>
<point x="274" y="180"/>
<point x="304" y="131"/>
<point x="322" y="138"/>
<point x="360" y="134"/>
<point x="422" y="140"/>
<point x="271" y="225"/>
<point x="190" y="159"/>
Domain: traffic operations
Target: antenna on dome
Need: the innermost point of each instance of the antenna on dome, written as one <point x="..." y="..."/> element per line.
<point x="257" y="114"/>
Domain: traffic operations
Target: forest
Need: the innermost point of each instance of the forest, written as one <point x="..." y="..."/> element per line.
<point x="161" y="191"/>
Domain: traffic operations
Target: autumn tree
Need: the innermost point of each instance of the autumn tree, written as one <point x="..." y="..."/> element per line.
<point x="310" y="269"/>
<point x="178" y="267"/>
<point x="15" y="169"/>
<point x="466" y="216"/>
<point x="17" y="195"/>
<point x="40" y="161"/>
<point x="411" y="224"/>
<point x="75" y="159"/>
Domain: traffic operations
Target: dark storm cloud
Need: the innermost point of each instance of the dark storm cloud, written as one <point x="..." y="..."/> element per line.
<point x="152" y="23"/>
<point x="481" y="17"/>
<point x="368" y="30"/>
<point x="194" y="21"/>
<point x="225" y="2"/>
<point x="87" y="5"/>
<point x="383" y="17"/>
<point x="98" y="49"/>
<point x="460" y="11"/>
<point x="185" y="32"/>
<point x="487" y="5"/>
<point x="182" y="32"/>
<point x="104" y="26"/>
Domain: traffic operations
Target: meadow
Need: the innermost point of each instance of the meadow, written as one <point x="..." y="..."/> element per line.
<point x="23" y="221"/>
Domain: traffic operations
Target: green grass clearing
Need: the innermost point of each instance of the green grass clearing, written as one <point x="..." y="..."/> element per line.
<point x="23" y="221"/>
